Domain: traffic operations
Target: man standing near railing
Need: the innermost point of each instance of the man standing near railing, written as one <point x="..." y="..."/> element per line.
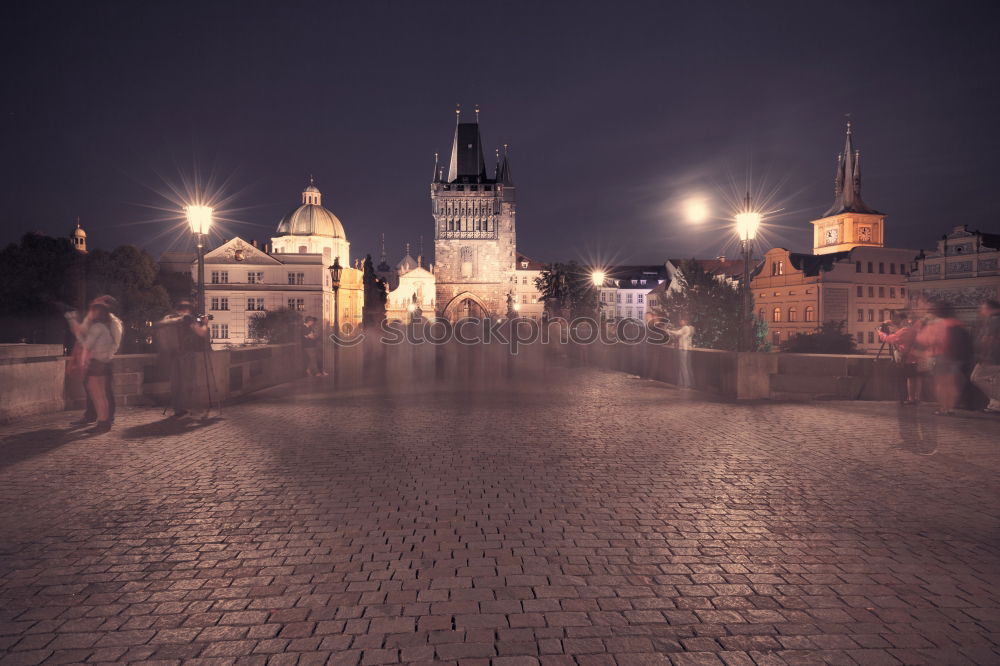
<point x="684" y="335"/>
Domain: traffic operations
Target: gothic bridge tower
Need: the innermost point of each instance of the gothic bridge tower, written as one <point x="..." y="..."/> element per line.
<point x="474" y="230"/>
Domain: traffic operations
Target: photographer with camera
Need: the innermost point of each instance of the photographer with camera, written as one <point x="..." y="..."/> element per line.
<point x="901" y="335"/>
<point x="179" y="336"/>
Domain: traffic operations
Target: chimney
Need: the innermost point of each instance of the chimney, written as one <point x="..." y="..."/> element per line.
<point x="254" y="242"/>
<point x="722" y="259"/>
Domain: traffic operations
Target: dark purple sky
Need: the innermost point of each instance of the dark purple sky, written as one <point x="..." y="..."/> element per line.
<point x="615" y="112"/>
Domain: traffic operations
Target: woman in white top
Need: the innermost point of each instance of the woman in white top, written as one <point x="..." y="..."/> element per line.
<point x="100" y="333"/>
<point x="684" y="336"/>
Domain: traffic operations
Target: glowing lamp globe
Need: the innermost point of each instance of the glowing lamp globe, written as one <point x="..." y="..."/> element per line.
<point x="747" y="224"/>
<point x="598" y="278"/>
<point x="199" y="218"/>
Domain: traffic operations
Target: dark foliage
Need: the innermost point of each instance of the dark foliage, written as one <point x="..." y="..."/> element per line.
<point x="275" y="326"/>
<point x="829" y="339"/>
<point x="567" y="290"/>
<point x="712" y="306"/>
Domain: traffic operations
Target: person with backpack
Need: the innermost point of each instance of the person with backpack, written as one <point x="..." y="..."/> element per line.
<point x="99" y="335"/>
<point x="948" y="345"/>
<point x="986" y="374"/>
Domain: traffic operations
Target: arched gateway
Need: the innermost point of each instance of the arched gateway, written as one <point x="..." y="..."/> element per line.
<point x="466" y="306"/>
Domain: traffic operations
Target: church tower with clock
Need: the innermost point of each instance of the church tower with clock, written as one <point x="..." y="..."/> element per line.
<point x="849" y="222"/>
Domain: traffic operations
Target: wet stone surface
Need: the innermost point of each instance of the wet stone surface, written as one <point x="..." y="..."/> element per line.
<point x="588" y="518"/>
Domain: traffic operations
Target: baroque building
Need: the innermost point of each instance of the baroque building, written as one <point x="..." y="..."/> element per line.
<point x="849" y="277"/>
<point x="244" y="281"/>
<point x="964" y="270"/>
<point x="474" y="230"/>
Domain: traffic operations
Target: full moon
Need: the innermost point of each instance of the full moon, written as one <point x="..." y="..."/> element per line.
<point x="696" y="210"/>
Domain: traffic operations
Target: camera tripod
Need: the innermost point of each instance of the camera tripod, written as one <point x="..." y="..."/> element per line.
<point x="864" y="383"/>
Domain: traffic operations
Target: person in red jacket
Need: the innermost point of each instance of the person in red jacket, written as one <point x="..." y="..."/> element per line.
<point x="901" y="334"/>
<point x="949" y="346"/>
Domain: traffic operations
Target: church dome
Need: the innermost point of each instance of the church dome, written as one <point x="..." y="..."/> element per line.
<point x="79" y="232"/>
<point x="311" y="218"/>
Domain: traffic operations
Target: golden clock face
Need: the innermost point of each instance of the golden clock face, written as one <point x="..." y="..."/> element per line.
<point x="831" y="236"/>
<point x="864" y="234"/>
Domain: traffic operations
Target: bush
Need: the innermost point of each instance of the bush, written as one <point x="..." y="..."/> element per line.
<point x="829" y="339"/>
<point x="276" y="326"/>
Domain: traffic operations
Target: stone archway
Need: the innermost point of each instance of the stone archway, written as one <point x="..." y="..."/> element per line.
<point x="466" y="305"/>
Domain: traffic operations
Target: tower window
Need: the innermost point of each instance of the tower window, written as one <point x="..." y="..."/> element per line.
<point x="881" y="267"/>
<point x="871" y="266"/>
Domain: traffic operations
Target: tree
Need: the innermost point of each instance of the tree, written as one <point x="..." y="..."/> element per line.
<point x="36" y="285"/>
<point x="276" y="326"/>
<point x="42" y="276"/>
<point x="129" y="275"/>
<point x="178" y="285"/>
<point x="712" y="305"/>
<point x="567" y="291"/>
<point x="376" y="293"/>
<point x="829" y="339"/>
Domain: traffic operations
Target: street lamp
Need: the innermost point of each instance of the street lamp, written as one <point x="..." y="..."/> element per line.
<point x="747" y="223"/>
<point x="336" y="270"/>
<point x="597" y="278"/>
<point x="199" y="218"/>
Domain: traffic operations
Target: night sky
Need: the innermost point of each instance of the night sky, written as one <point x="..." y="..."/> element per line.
<point x="615" y="112"/>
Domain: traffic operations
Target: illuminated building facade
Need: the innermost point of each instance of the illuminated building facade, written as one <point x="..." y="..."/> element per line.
<point x="474" y="231"/>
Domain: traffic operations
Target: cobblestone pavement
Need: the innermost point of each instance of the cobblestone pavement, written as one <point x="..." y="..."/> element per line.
<point x="592" y="518"/>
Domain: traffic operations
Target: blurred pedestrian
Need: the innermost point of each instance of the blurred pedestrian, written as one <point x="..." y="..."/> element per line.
<point x="180" y="335"/>
<point x="986" y="374"/>
<point x="684" y="335"/>
<point x="901" y="335"/>
<point x="949" y="347"/>
<point x="99" y="335"/>
<point x="310" y="346"/>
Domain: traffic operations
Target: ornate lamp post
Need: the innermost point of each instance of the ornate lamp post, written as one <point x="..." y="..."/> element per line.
<point x="336" y="270"/>
<point x="199" y="218"/>
<point x="747" y="223"/>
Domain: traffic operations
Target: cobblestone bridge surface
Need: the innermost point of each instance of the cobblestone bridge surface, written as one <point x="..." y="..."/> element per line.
<point x="588" y="518"/>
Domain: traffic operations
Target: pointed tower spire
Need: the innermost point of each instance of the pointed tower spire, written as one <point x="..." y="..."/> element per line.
<point x="437" y="171"/>
<point x="467" y="161"/>
<point x="847" y="181"/>
<point x="382" y="257"/>
<point x="504" y="175"/>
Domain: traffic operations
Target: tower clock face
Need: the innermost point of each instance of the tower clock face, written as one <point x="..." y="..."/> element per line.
<point x="865" y="234"/>
<point x="831" y="236"/>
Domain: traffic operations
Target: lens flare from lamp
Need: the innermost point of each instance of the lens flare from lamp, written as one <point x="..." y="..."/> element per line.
<point x="747" y="224"/>
<point x="199" y="218"/>
<point x="598" y="278"/>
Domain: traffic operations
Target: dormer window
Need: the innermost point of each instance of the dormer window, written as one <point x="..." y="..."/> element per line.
<point x="524" y="264"/>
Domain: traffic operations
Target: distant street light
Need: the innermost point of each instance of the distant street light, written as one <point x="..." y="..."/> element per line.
<point x="597" y="278"/>
<point x="199" y="219"/>
<point x="747" y="223"/>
